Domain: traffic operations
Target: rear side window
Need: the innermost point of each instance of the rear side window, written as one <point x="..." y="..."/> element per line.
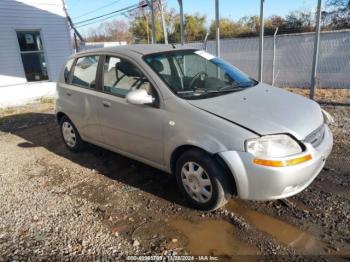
<point x="67" y="69"/>
<point x="84" y="73"/>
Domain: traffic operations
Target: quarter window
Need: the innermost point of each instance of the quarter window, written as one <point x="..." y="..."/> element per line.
<point x="120" y="76"/>
<point x="84" y="73"/>
<point x="67" y="70"/>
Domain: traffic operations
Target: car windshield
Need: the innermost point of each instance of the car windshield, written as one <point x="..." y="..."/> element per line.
<point x="196" y="74"/>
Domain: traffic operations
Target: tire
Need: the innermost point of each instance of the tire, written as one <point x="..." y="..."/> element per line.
<point x="195" y="185"/>
<point x="68" y="130"/>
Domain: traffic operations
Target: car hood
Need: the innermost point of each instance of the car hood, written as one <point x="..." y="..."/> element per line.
<point x="266" y="110"/>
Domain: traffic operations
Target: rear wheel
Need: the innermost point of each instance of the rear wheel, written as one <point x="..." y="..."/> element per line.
<point x="70" y="135"/>
<point x="201" y="180"/>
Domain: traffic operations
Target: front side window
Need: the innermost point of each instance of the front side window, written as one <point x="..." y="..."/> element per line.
<point x="32" y="54"/>
<point x="195" y="74"/>
<point x="121" y="76"/>
<point x="84" y="73"/>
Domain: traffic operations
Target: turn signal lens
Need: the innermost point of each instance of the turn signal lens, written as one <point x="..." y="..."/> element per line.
<point x="282" y="163"/>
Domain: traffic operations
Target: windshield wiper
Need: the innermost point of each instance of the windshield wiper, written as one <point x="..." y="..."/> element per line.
<point x="234" y="87"/>
<point x="205" y="91"/>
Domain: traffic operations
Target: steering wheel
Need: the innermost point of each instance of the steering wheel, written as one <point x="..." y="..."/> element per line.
<point x="196" y="77"/>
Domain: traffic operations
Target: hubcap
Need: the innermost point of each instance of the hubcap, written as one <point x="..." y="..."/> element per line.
<point x="69" y="134"/>
<point x="196" y="182"/>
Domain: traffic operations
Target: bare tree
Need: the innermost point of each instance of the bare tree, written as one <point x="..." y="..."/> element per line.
<point x="337" y="15"/>
<point x="116" y="30"/>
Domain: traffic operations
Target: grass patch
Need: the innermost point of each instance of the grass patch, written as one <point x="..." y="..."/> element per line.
<point x="47" y="100"/>
<point x="336" y="95"/>
<point x="44" y="104"/>
<point x="7" y="111"/>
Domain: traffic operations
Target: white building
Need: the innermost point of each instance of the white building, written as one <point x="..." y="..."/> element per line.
<point x="35" y="43"/>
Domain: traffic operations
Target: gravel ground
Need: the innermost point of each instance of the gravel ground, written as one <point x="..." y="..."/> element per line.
<point x="98" y="205"/>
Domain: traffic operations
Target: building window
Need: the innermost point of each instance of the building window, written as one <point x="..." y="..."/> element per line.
<point x="32" y="53"/>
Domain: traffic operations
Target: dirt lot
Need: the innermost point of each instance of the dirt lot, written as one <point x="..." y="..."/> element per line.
<point x="99" y="205"/>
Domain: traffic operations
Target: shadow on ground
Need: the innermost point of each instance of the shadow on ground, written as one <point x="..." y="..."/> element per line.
<point x="41" y="130"/>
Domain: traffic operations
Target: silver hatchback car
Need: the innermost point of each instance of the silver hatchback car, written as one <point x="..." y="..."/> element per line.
<point x="184" y="111"/>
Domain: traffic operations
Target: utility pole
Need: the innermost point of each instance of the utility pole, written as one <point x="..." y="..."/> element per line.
<point x="163" y="22"/>
<point x="150" y="4"/>
<point x="217" y="24"/>
<point x="71" y="22"/>
<point x="316" y="50"/>
<point x="147" y="28"/>
<point x="261" y="41"/>
<point x="181" y="22"/>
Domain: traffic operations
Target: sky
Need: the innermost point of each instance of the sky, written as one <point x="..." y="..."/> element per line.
<point x="233" y="9"/>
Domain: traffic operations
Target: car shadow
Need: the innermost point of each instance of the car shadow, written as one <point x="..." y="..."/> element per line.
<point x="41" y="130"/>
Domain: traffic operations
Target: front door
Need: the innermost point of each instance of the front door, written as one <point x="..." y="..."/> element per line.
<point x="134" y="129"/>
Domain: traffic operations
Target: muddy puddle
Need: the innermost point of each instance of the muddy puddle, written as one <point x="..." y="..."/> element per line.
<point x="285" y="233"/>
<point x="211" y="237"/>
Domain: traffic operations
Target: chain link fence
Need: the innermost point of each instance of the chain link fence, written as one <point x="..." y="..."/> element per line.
<point x="293" y="61"/>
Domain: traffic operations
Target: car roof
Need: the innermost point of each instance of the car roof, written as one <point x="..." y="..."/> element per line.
<point x="141" y="49"/>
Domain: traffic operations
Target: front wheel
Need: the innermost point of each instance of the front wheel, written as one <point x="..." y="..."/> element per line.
<point x="201" y="180"/>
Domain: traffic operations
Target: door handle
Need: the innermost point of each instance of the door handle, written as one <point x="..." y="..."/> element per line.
<point x="68" y="93"/>
<point x="106" y="104"/>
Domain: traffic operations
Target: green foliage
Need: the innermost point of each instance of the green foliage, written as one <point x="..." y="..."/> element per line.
<point x="47" y="100"/>
<point x="141" y="30"/>
<point x="250" y="23"/>
<point x="228" y="28"/>
<point x="194" y="28"/>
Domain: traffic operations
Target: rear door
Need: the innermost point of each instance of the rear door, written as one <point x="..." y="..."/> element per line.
<point x="133" y="129"/>
<point x="79" y="95"/>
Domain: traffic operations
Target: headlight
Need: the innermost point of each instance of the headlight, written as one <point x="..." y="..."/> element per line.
<point x="328" y="119"/>
<point x="273" y="146"/>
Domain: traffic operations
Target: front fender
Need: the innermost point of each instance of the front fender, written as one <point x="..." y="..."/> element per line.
<point x="202" y="141"/>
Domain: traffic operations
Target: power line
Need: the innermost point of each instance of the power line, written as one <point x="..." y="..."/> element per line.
<point x="114" y="12"/>
<point x="101" y="20"/>
<point x="99" y="8"/>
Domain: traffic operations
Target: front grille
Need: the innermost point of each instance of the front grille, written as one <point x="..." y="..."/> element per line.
<point x="316" y="137"/>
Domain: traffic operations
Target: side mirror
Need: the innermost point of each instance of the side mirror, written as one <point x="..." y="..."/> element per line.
<point x="139" y="97"/>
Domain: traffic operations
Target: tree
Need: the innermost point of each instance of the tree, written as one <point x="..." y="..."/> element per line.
<point x="228" y="28"/>
<point x="299" y="21"/>
<point x="250" y="23"/>
<point x="272" y="22"/>
<point x="337" y="15"/>
<point x="194" y="29"/>
<point x="141" y="29"/>
<point x="140" y="20"/>
<point x="116" y="30"/>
